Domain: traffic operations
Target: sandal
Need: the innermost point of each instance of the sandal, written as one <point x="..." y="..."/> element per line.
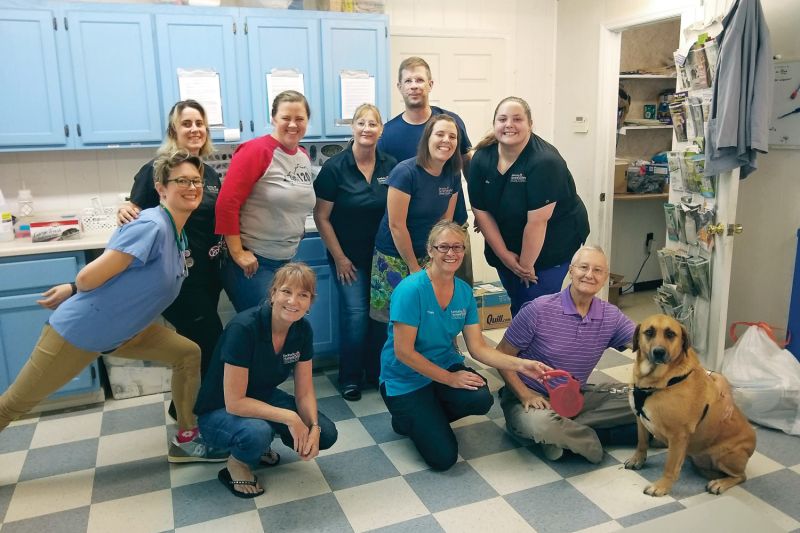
<point x="351" y="393"/>
<point x="225" y="478"/>
<point x="270" y="458"/>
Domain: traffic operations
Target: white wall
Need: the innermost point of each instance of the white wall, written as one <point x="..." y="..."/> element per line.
<point x="768" y="200"/>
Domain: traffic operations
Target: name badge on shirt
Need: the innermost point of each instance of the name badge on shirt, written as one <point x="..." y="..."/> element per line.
<point x="445" y="191"/>
<point x="518" y="178"/>
<point x="458" y="314"/>
<point x="383" y="179"/>
<point x="289" y="358"/>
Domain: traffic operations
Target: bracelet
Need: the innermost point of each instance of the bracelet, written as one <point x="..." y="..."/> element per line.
<point x="316" y="426"/>
<point x="74" y="288"/>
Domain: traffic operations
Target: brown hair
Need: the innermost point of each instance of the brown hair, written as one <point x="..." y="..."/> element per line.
<point x="170" y="143"/>
<point x="447" y="225"/>
<point x="490" y="139"/>
<point x="164" y="163"/>
<point x="410" y="63"/>
<point x="453" y="165"/>
<point x="296" y="275"/>
<point x="291" y="97"/>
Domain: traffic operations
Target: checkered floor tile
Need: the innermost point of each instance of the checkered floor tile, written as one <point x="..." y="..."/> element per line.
<point x="104" y="469"/>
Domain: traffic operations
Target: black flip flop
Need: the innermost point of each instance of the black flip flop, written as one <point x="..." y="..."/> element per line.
<point x="270" y="458"/>
<point x="351" y="393"/>
<point x="225" y="478"/>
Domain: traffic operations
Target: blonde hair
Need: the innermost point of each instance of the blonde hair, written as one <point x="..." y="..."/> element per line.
<point x="363" y="109"/>
<point x="447" y="225"/>
<point x="290" y="97"/>
<point x="164" y="163"/>
<point x="410" y="63"/>
<point x="170" y="143"/>
<point x="295" y="275"/>
<point x="490" y="138"/>
<point x="453" y="165"/>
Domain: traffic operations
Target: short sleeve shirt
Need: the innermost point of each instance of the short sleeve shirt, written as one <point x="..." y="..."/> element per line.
<point x="537" y="178"/>
<point x="414" y="303"/>
<point x="103" y="318"/>
<point x="430" y="196"/>
<point x="247" y="343"/>
<point x="550" y="329"/>
<point x="358" y="205"/>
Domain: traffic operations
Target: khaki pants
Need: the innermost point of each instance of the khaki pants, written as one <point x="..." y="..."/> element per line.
<point x="54" y="362"/>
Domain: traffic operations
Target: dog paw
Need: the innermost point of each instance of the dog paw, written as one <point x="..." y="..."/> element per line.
<point x="718" y="486"/>
<point x="635" y="462"/>
<point x="659" y="488"/>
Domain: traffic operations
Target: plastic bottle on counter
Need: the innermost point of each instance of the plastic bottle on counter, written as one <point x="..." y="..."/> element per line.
<point x="25" y="202"/>
<point x="6" y="222"/>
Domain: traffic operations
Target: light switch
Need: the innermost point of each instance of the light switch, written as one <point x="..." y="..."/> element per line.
<point x="580" y="124"/>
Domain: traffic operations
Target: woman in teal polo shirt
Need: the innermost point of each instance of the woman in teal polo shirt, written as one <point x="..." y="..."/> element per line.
<point x="424" y="381"/>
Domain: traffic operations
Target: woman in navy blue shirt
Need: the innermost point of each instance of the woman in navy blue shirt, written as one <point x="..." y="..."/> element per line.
<point x="422" y="191"/>
<point x="351" y="200"/>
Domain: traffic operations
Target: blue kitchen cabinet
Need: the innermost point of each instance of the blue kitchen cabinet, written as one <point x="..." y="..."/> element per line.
<point x="22" y="280"/>
<point x="289" y="43"/>
<point x="115" y="76"/>
<point x="200" y="42"/>
<point x="30" y="94"/>
<point x="324" y="312"/>
<point x="350" y="44"/>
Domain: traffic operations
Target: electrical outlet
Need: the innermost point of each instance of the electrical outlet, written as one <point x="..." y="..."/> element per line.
<point x="647" y="242"/>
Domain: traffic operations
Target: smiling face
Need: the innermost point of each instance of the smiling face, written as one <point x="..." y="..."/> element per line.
<point x="290" y="122"/>
<point x="512" y="126"/>
<point x="367" y="129"/>
<point x="290" y="302"/>
<point x="415" y="85"/>
<point x="177" y="198"/>
<point x="190" y="131"/>
<point x="451" y="259"/>
<point x="443" y="141"/>
<point x="588" y="272"/>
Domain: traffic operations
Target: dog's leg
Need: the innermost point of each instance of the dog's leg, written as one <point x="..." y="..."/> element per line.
<point x="732" y="464"/>
<point x="643" y="440"/>
<point x="676" y="454"/>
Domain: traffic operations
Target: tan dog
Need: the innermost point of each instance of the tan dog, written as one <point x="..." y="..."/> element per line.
<point x="690" y="410"/>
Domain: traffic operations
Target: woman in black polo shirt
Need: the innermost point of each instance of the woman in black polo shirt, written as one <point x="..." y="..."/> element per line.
<point x="525" y="204"/>
<point x="240" y="407"/>
<point x="351" y="200"/>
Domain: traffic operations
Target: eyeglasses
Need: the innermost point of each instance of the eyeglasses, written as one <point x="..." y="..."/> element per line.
<point x="184" y="183"/>
<point x="364" y="124"/>
<point x="584" y="269"/>
<point x="444" y="248"/>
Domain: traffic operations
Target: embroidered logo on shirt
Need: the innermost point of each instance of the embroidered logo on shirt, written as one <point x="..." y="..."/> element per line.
<point x="445" y="191"/>
<point x="518" y="178"/>
<point x="289" y="358"/>
<point x="458" y="314"/>
<point x="383" y="179"/>
<point x="429" y="312"/>
<point x="212" y="188"/>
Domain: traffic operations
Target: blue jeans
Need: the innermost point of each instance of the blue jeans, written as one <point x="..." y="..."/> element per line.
<point x="360" y="337"/>
<point x="245" y="292"/>
<point x="550" y="281"/>
<point x="249" y="438"/>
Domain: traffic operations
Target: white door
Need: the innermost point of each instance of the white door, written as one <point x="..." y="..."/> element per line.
<point x="469" y="77"/>
<point x="710" y="331"/>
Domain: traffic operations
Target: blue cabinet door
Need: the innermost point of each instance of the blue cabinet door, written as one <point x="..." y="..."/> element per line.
<point x="30" y="93"/>
<point x="200" y="42"/>
<point x="324" y="313"/>
<point x="352" y="45"/>
<point x="116" y="85"/>
<point x="290" y="44"/>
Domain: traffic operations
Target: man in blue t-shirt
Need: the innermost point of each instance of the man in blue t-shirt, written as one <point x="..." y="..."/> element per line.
<point x="401" y="135"/>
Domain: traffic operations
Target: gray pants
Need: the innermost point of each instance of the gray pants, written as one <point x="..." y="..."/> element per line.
<point x="544" y="426"/>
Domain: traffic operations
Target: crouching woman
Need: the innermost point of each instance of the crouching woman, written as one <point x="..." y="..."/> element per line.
<point x="240" y="408"/>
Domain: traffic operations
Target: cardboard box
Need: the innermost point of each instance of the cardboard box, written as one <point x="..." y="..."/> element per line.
<point x="615" y="288"/>
<point x="56" y="230"/>
<point x="620" y="178"/>
<point x="131" y="378"/>
<point x="494" y="305"/>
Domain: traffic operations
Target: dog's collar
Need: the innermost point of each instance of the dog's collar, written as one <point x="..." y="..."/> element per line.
<point x="640" y="394"/>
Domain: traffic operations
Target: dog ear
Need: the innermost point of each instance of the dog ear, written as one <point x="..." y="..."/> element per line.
<point x="635" y="342"/>
<point x="685" y="344"/>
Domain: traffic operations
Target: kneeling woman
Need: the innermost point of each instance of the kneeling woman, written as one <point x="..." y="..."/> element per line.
<point x="240" y="408"/>
<point x="424" y="381"/>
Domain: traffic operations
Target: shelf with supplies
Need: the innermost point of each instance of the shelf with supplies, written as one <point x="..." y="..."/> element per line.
<point x="624" y="129"/>
<point x="647" y="76"/>
<point x="629" y="196"/>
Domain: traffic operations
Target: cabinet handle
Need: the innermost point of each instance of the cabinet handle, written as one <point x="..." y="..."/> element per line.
<point x="245" y="28"/>
<point x="241" y="126"/>
<point x="79" y="130"/>
<point x="252" y="127"/>
<point x="93" y="372"/>
<point x="66" y="24"/>
<point x="55" y="24"/>
<point x="66" y="130"/>
<point x="234" y="28"/>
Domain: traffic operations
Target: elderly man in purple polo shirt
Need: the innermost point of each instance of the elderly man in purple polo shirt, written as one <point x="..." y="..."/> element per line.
<point x="570" y="331"/>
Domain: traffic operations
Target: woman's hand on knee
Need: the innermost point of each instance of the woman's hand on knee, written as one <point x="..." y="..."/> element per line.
<point x="464" y="379"/>
<point x="299" y="432"/>
<point x="311" y="449"/>
<point x="534" y="400"/>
